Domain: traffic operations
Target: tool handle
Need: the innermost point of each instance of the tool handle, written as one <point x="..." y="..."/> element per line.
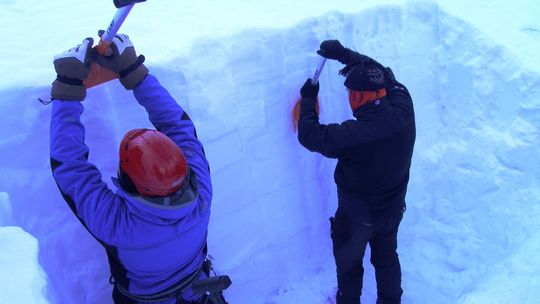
<point x="112" y="29"/>
<point x="315" y="78"/>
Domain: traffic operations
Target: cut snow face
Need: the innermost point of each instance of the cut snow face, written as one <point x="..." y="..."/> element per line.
<point x="474" y="190"/>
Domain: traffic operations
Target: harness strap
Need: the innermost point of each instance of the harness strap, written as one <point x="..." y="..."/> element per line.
<point x="172" y="292"/>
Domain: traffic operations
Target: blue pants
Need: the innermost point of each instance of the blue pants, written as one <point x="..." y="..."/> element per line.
<point x="350" y="236"/>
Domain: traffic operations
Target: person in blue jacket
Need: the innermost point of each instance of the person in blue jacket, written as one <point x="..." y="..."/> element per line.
<point x="374" y="153"/>
<point x="153" y="227"/>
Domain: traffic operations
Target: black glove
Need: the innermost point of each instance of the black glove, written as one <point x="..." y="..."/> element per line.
<point x="309" y="90"/>
<point x="332" y="49"/>
<point x="124" y="61"/>
<point x="72" y="67"/>
<point x="122" y="3"/>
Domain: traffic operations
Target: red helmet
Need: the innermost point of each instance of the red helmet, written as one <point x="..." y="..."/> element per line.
<point x="153" y="162"/>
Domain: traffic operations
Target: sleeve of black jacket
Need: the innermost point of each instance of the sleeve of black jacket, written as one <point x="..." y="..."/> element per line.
<point x="329" y="140"/>
<point x="351" y="56"/>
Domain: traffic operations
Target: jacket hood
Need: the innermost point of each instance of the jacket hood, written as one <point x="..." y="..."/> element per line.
<point x="175" y="206"/>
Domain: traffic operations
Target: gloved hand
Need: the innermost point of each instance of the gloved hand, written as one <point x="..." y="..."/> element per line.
<point x="309" y="90"/>
<point x="332" y="49"/>
<point x="72" y="67"/>
<point x="124" y="61"/>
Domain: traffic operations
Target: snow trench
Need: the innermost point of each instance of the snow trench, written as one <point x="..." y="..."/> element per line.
<point x="473" y="199"/>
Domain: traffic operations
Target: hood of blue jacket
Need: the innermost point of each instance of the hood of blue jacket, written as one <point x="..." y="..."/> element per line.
<point x="163" y="209"/>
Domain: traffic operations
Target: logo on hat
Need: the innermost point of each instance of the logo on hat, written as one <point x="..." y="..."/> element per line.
<point x="375" y="75"/>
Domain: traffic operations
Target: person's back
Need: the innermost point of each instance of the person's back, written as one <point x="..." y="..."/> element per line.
<point x="154" y="226"/>
<point x="374" y="154"/>
<point x="374" y="166"/>
<point x="164" y="236"/>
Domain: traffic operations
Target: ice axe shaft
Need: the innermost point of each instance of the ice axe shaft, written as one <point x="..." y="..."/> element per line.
<point x="318" y="71"/>
<point x="112" y="29"/>
<point x="98" y="74"/>
<point x="314" y="80"/>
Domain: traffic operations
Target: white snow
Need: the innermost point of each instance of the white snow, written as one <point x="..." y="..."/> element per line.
<point x="470" y="234"/>
<point x="21" y="279"/>
<point x="5" y="209"/>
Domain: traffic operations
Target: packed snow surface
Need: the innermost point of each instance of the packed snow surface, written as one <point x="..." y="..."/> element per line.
<point x="470" y="234"/>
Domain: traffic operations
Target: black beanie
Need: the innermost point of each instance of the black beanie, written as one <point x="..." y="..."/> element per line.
<point x="361" y="76"/>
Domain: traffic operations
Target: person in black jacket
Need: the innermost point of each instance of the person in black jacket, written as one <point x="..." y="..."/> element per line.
<point x="374" y="153"/>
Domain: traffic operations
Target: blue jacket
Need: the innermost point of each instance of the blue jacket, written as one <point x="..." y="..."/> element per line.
<point x="150" y="247"/>
<point x="374" y="151"/>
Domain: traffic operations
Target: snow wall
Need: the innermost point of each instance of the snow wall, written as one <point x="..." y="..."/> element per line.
<point x="473" y="198"/>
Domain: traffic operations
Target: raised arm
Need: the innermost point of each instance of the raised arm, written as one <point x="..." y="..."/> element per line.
<point x="78" y="180"/>
<point x="165" y="114"/>
<point x="171" y="119"/>
<point x="398" y="94"/>
<point x="367" y="80"/>
<point x="329" y="140"/>
<point x="333" y="49"/>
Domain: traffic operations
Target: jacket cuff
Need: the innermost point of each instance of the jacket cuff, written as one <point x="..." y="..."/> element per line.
<point x="131" y="80"/>
<point x="64" y="91"/>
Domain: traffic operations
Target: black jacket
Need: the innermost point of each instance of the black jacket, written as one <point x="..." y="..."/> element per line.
<point x="374" y="151"/>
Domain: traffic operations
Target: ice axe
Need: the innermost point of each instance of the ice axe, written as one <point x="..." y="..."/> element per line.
<point x="99" y="74"/>
<point x="314" y="80"/>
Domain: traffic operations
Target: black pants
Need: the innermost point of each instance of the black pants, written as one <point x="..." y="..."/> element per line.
<point x="350" y="236"/>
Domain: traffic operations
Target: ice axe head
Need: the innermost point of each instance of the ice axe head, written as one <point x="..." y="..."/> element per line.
<point x="121" y="3"/>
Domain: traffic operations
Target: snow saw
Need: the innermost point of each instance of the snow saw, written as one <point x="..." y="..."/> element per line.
<point x="314" y="80"/>
<point x="98" y="74"/>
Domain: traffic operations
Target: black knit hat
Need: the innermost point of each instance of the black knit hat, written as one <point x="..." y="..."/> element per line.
<point x="364" y="76"/>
